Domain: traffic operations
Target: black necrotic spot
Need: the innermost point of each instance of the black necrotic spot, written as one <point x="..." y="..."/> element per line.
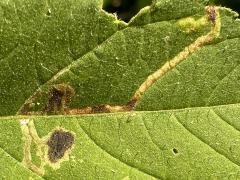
<point x="48" y="13"/>
<point x="58" y="143"/>
<point x="175" y="151"/>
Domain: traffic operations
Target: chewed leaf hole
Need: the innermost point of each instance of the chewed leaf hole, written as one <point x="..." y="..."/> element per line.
<point x="59" y="142"/>
<point x="175" y="151"/>
<point x="125" y="9"/>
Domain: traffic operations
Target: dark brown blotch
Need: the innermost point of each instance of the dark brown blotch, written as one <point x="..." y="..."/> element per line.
<point x="59" y="99"/>
<point x="131" y="104"/>
<point x="59" y="142"/>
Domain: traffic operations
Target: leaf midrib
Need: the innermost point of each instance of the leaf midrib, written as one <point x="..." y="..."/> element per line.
<point x="127" y="112"/>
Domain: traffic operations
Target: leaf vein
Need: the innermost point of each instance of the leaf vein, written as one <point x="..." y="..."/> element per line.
<point x="219" y="83"/>
<point x="111" y="155"/>
<point x="204" y="142"/>
<point x="20" y="164"/>
<point x="221" y="117"/>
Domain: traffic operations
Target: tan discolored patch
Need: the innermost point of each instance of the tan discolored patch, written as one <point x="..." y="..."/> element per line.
<point x="105" y="108"/>
<point x="59" y="142"/>
<point x="99" y="109"/>
<point x="29" y="137"/>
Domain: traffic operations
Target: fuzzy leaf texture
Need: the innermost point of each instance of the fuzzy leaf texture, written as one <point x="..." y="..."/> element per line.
<point x="178" y="59"/>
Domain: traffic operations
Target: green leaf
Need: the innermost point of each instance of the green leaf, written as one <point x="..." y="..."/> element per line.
<point x="12" y="169"/>
<point x="198" y="143"/>
<point x="38" y="39"/>
<point x="207" y="78"/>
<point x="178" y="60"/>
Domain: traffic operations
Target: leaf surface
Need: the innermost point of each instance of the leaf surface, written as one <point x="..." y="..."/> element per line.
<point x="185" y="124"/>
<point x="12" y="169"/>
<point x="199" y="143"/>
